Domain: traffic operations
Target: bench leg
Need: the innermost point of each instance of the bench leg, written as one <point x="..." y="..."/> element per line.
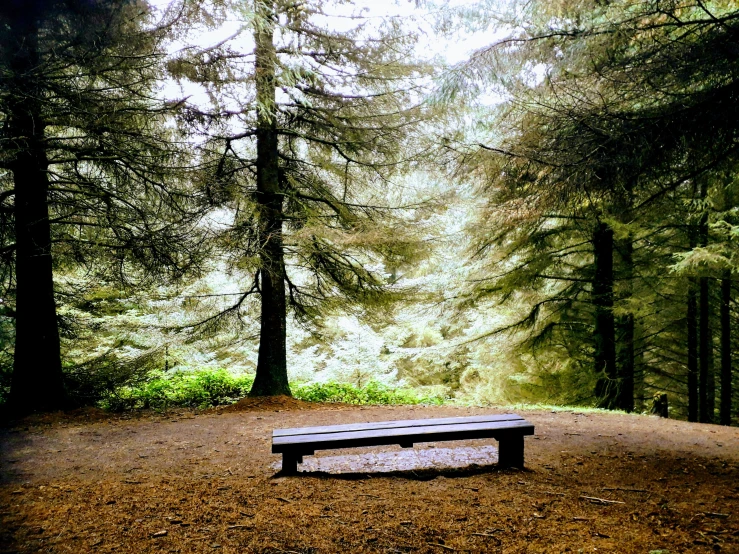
<point x="510" y="452"/>
<point x="290" y="462"/>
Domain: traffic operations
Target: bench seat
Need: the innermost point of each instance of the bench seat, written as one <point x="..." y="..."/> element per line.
<point x="507" y="429"/>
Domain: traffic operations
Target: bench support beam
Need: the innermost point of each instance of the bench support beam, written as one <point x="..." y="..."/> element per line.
<point x="290" y="462"/>
<point x="510" y="452"/>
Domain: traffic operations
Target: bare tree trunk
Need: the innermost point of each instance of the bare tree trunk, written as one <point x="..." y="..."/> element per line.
<point x="725" y="409"/>
<point x="692" y="320"/>
<point x="704" y="334"/>
<point x="37" y="382"/>
<point x="639" y="392"/>
<point x="711" y="384"/>
<point x="271" y="378"/>
<point x="626" y="334"/>
<point x="703" y="346"/>
<point x="607" y="387"/>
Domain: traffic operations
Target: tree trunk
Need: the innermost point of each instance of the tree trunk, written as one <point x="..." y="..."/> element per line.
<point x="608" y="386"/>
<point x="725" y="409"/>
<point x="639" y="390"/>
<point x="692" y="321"/>
<point x="626" y="323"/>
<point x="37" y="381"/>
<point x="626" y="334"/>
<point x="271" y="378"/>
<point x="660" y="405"/>
<point x="711" y="384"/>
<point x="704" y="346"/>
<point x="705" y="410"/>
<point x="626" y="369"/>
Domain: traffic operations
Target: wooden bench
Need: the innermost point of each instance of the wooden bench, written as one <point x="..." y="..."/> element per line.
<point x="507" y="429"/>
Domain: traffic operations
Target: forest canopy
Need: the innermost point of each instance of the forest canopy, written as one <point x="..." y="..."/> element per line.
<point x="303" y="193"/>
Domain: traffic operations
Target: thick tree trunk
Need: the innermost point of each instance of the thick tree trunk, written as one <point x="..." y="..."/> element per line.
<point x="37" y="383"/>
<point x="725" y="409"/>
<point x="608" y="386"/>
<point x="271" y="378"/>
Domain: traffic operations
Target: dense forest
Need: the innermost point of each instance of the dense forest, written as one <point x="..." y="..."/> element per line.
<point x="293" y="194"/>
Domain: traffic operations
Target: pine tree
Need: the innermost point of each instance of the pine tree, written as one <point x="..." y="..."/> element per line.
<point x="317" y="124"/>
<point x="636" y="103"/>
<point x="92" y="176"/>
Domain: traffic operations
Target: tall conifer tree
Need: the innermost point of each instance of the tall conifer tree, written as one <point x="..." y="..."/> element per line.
<point x="91" y="174"/>
<point x="306" y="132"/>
<point x="636" y="101"/>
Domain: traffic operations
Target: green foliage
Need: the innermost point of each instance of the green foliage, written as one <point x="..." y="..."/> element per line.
<point x="564" y="408"/>
<point x="207" y="388"/>
<point x="7" y="339"/>
<point x="198" y="389"/>
<point x="608" y="190"/>
<point x="5" y="373"/>
<point x="300" y="171"/>
<point x="372" y="393"/>
<point x="102" y="376"/>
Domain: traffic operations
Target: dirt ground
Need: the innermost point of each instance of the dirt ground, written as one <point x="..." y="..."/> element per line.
<point x="187" y="482"/>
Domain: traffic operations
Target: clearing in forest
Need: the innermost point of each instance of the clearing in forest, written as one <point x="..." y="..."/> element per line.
<point x="187" y="482"/>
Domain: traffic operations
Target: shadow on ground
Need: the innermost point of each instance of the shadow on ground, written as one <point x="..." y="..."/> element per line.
<point x="421" y="457"/>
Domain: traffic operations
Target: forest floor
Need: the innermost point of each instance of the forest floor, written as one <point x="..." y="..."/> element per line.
<point x="207" y="482"/>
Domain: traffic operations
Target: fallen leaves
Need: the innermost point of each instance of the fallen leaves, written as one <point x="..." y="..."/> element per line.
<point x="479" y="509"/>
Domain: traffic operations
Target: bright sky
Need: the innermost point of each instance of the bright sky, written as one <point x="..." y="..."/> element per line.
<point x="453" y="50"/>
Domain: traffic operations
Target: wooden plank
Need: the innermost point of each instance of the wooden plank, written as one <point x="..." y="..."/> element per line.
<point x="375" y="437"/>
<point x="394" y="424"/>
<point x="409" y="432"/>
<point x="360" y="441"/>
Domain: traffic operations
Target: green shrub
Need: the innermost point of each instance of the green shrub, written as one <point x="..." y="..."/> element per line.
<point x="372" y="393"/>
<point x="198" y="389"/>
<point x="206" y="388"/>
<point x="103" y="376"/>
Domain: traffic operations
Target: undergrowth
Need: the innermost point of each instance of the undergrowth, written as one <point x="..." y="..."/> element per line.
<point x="562" y="408"/>
<point x="197" y="389"/>
<point x="208" y="388"/>
<point x="372" y="393"/>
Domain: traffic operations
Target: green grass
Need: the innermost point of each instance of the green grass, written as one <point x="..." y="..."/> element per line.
<point x="563" y="408"/>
